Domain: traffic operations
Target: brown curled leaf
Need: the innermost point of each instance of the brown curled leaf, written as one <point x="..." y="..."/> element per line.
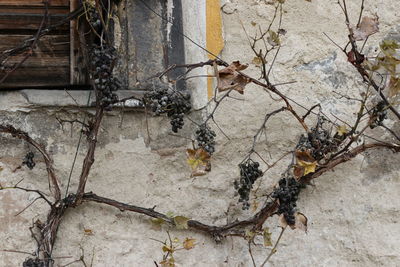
<point x="367" y="27"/>
<point x="230" y="78"/>
<point x="300" y="221"/>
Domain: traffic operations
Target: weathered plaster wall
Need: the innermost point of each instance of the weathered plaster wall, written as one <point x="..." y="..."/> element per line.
<point x="353" y="212"/>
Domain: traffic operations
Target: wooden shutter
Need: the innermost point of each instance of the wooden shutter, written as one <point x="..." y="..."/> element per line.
<point x="54" y="62"/>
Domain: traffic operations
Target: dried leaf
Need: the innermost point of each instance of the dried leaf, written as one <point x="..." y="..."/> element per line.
<point x="170" y="262"/>
<point x="282" y="221"/>
<point x="389" y="63"/>
<point x="88" y="231"/>
<point x="267" y="237"/>
<point x="367" y="27"/>
<point x="249" y="235"/>
<point x="189" y="243"/>
<point x="304" y="156"/>
<point x="389" y="47"/>
<point x="273" y="38"/>
<point x="353" y="59"/>
<point x="157" y="222"/>
<point x="309" y="167"/>
<point x="342" y="130"/>
<point x="181" y="222"/>
<point x="305" y="164"/>
<point x="230" y="78"/>
<point x="394" y="86"/>
<point x="166" y="248"/>
<point x="300" y="221"/>
<point x="254" y="205"/>
<point x="257" y="61"/>
<point x="298" y="172"/>
<point x="199" y="161"/>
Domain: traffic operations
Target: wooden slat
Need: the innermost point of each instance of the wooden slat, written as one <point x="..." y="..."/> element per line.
<point x="47" y="43"/>
<point x="27" y="21"/>
<point x="34" y="77"/>
<point x="32" y="10"/>
<point x="40" y="61"/>
<point x="51" y="63"/>
<point x="33" y="2"/>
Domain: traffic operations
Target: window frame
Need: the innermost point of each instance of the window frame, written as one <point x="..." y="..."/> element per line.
<point x="79" y="98"/>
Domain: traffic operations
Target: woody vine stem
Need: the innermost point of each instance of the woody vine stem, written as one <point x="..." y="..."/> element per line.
<point x="319" y="149"/>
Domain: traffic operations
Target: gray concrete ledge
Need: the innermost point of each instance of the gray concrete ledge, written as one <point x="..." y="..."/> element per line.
<point x="73" y="98"/>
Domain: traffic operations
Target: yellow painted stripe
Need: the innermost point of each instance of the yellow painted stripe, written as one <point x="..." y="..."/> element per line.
<point x="214" y="40"/>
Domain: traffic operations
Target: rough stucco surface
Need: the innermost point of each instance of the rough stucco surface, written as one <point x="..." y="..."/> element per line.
<point x="353" y="212"/>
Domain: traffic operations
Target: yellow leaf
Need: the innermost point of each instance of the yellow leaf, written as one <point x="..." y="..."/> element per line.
<point x="309" y="167"/>
<point x="267" y="237"/>
<point x="189" y="243"/>
<point x="166" y="248"/>
<point x="305" y="164"/>
<point x="176" y="240"/>
<point x="170" y="262"/>
<point x="181" y="222"/>
<point x="273" y="38"/>
<point x="342" y="130"/>
<point x="157" y="222"/>
<point x="249" y="235"/>
<point x="257" y="61"/>
<point x="199" y="161"/>
<point x="170" y="214"/>
<point x="389" y="47"/>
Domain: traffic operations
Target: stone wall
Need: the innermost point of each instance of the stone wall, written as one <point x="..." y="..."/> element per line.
<point x="353" y="212"/>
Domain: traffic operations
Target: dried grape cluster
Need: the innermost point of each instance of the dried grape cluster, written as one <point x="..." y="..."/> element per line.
<point x="318" y="141"/>
<point x="205" y="138"/>
<point x="173" y="103"/>
<point x="93" y="17"/>
<point x="379" y="114"/>
<point x="102" y="62"/>
<point x="28" y="160"/>
<point x="287" y="194"/>
<point x="249" y="173"/>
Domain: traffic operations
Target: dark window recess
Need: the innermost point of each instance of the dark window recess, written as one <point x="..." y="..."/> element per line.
<point x="146" y="46"/>
<point x="55" y="60"/>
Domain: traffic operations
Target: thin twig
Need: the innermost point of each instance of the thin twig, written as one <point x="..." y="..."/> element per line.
<point x="273" y="250"/>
